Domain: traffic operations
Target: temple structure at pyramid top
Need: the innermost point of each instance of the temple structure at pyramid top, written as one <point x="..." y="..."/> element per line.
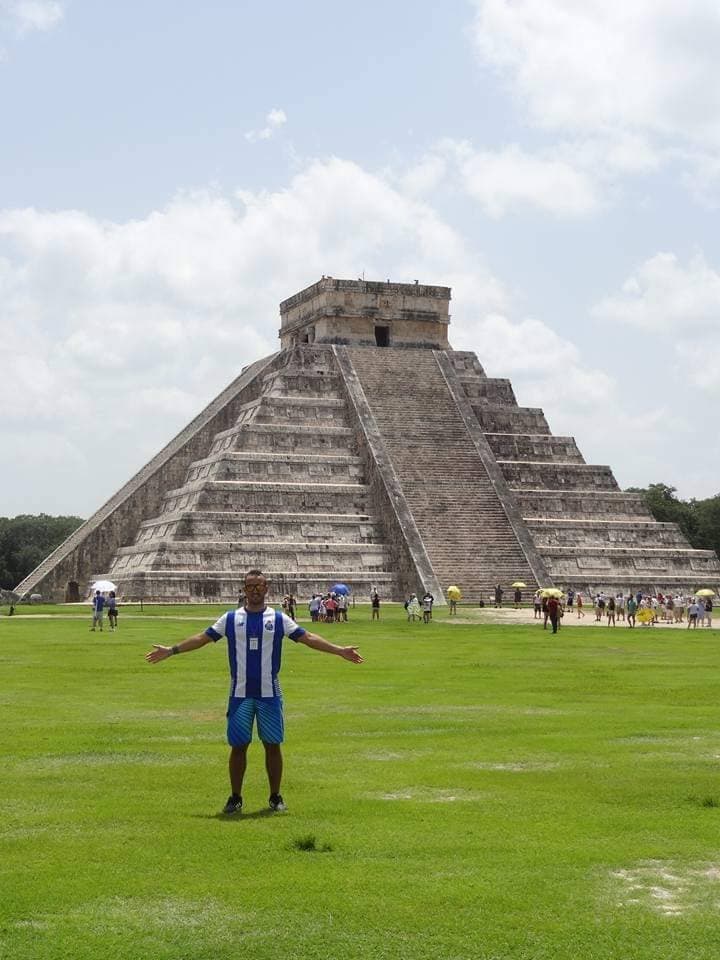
<point x="370" y="452"/>
<point x="367" y="314"/>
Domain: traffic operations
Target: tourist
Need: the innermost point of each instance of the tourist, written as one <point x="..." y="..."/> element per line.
<point x="112" y="611"/>
<point x="631" y="610"/>
<point x="611" y="611"/>
<point x="314" y="607"/>
<point x="679" y="604"/>
<point x="498" y="596"/>
<point x="330" y="605"/>
<point x="654" y="605"/>
<point x="427" y="605"/>
<point x="412" y="606"/>
<point x="291" y="606"/>
<point x="554" y="609"/>
<point x="517" y="598"/>
<point x="669" y="609"/>
<point x="706" y="609"/>
<point x="341" y="601"/>
<point x="255" y="696"/>
<point x="98" y="607"/>
<point x="570" y="599"/>
<point x="620" y="605"/>
<point x="579" y="605"/>
<point x="693" y="614"/>
<point x="600" y="604"/>
<point x="537" y="604"/>
<point x="375" y="605"/>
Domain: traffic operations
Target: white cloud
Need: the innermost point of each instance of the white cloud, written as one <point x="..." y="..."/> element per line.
<point x="637" y="84"/>
<point x="677" y="304"/>
<point x="30" y="15"/>
<point x="273" y="121"/>
<point x="595" y="67"/>
<point x="506" y="179"/>
<point x="663" y="295"/>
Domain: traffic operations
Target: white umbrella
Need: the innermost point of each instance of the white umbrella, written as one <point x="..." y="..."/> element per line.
<point x="104" y="586"/>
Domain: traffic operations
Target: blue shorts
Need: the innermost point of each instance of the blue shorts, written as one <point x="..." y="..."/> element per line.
<point x="242" y="711"/>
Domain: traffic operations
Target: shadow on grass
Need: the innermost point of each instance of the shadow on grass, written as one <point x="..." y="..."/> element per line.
<point x="237" y="817"/>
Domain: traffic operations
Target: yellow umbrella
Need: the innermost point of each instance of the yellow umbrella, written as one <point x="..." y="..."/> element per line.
<point x="454" y="593"/>
<point x="705" y="593"/>
<point x="518" y="583"/>
<point x="551" y="592"/>
<point x="645" y="615"/>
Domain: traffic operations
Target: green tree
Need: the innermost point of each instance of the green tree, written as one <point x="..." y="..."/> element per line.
<point x="26" y="540"/>
<point x="708" y="517"/>
<point x="699" y="520"/>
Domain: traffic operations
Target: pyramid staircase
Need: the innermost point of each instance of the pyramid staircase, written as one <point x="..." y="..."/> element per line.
<point x="469" y="539"/>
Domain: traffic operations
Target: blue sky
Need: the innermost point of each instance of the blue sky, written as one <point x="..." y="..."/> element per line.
<point x="170" y="172"/>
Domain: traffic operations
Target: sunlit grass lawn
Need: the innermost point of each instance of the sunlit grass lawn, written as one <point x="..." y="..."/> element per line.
<point x="480" y="792"/>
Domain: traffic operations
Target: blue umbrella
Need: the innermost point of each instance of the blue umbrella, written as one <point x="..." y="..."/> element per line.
<point x="340" y="588"/>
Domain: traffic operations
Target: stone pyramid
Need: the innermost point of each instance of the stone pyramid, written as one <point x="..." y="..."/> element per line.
<point x="368" y="451"/>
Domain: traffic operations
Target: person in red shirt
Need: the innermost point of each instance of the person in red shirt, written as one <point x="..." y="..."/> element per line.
<point x="330" y="608"/>
<point x="554" y="609"/>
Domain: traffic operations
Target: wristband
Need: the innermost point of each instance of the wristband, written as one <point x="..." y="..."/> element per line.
<point x="175" y="651"/>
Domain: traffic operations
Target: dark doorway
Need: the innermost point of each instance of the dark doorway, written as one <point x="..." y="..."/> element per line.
<point x="382" y="336"/>
<point x="72" y="592"/>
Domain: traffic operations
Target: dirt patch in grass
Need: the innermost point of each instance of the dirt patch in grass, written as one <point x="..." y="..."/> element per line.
<point x="668" y="887"/>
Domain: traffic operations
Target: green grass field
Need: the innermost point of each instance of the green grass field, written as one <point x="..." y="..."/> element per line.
<point x="468" y="792"/>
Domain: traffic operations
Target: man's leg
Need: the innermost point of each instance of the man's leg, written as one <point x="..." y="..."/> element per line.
<point x="273" y="766"/>
<point x="237" y="766"/>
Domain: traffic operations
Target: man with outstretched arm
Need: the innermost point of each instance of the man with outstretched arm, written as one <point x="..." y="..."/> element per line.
<point x="254" y="636"/>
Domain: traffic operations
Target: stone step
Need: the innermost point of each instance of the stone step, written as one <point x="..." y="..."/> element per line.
<point x="319" y="528"/>
<point x="171" y="586"/>
<point x="558" y="476"/>
<point x="466" y="364"/>
<point x="492" y="390"/>
<point x="269" y="497"/>
<point x="267" y="467"/>
<point x="499" y="418"/>
<point x="228" y="556"/>
<point x="298" y="382"/>
<point x="625" y="552"/>
<point x="534" y="448"/>
<point x="544" y="504"/>
<point x="294" y="410"/>
<point x="279" y="437"/>
<point x="677" y="563"/>
<point x="582" y="533"/>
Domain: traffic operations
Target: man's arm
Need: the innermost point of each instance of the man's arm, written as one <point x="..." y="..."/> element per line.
<point x="159" y="652"/>
<point x="315" y="642"/>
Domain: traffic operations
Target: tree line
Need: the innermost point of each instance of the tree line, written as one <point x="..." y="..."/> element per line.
<point x="26" y="540"/>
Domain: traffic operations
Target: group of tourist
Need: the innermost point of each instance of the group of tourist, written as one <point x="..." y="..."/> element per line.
<point x="419" y="609"/>
<point x="101" y="603"/>
<point x="328" y="608"/>
<point x="647" y="609"/>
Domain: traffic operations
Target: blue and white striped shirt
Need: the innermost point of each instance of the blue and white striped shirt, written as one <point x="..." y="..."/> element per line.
<point x="255" y="649"/>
